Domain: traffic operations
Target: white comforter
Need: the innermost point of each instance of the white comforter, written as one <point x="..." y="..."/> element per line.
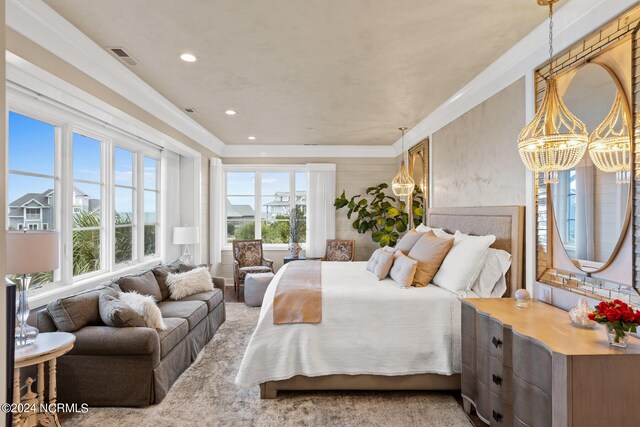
<point x="368" y="327"/>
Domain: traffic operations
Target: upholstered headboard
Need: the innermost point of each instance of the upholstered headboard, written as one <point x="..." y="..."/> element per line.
<point x="505" y="222"/>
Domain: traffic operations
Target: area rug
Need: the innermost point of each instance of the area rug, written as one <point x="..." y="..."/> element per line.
<point x="206" y="395"/>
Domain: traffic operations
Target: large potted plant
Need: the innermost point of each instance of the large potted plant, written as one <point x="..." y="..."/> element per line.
<point x="380" y="213"/>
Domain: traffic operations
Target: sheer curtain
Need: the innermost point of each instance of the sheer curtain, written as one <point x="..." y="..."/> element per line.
<point x="321" y="214"/>
<point x="585" y="210"/>
<point x="216" y="209"/>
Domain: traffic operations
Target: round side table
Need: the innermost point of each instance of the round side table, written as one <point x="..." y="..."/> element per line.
<point x="46" y="348"/>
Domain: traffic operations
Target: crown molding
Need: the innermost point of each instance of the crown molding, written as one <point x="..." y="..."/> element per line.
<point x="572" y="22"/>
<point x="45" y="27"/>
<point x="309" y="151"/>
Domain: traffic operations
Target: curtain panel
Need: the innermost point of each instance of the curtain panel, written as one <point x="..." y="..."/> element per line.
<point x="321" y="214"/>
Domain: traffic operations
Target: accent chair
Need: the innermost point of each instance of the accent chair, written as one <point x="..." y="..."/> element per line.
<point x="247" y="259"/>
<point x="340" y="250"/>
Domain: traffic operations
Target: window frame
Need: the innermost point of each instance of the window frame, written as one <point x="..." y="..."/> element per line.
<point x="258" y="170"/>
<point x="67" y="122"/>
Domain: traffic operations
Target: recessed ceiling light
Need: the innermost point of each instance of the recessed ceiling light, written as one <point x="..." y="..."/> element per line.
<point x="230" y="113"/>
<point x="188" y="57"/>
<point x="252" y="138"/>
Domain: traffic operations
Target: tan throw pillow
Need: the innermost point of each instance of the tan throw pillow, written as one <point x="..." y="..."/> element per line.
<point x="408" y="240"/>
<point x="403" y="269"/>
<point x="429" y="251"/>
<point x="380" y="263"/>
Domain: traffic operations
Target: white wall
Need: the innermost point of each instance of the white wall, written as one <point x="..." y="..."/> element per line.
<point x="170" y="203"/>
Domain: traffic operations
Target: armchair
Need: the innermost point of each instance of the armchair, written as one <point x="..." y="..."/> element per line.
<point x="248" y="258"/>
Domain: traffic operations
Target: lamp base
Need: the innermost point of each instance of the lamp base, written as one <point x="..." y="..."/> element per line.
<point x="26" y="335"/>
<point x="186" y="257"/>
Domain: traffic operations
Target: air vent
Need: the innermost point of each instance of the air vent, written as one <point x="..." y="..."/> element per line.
<point x="189" y="110"/>
<point x="122" y="55"/>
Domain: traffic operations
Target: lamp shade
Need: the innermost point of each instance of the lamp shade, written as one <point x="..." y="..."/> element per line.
<point x="32" y="251"/>
<point x="185" y="235"/>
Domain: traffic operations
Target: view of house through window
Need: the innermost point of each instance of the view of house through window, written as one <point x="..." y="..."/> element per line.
<point x="124" y="199"/>
<point x="266" y="215"/>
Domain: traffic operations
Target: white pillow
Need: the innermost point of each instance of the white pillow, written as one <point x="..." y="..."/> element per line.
<point x="463" y="263"/>
<point x="191" y="282"/>
<point x="491" y="282"/>
<point x="403" y="269"/>
<point x="439" y="232"/>
<point x="146" y="307"/>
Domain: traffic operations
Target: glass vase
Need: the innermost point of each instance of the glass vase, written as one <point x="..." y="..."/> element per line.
<point x="616" y="337"/>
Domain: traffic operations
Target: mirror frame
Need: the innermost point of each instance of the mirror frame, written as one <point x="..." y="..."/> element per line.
<point x="608" y="35"/>
<point x="419" y="155"/>
<point x="627" y="217"/>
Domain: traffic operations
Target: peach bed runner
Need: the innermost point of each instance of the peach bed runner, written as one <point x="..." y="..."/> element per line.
<point x="298" y="297"/>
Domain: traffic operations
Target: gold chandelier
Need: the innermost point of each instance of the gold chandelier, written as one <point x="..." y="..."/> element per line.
<point x="555" y="139"/>
<point x="610" y="144"/>
<point x="403" y="184"/>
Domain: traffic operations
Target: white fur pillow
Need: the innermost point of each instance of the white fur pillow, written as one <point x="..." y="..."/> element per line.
<point x="192" y="282"/>
<point x="146" y="307"/>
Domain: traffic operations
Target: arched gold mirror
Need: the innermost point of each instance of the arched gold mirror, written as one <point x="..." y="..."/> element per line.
<point x="591" y="202"/>
<point x="419" y="170"/>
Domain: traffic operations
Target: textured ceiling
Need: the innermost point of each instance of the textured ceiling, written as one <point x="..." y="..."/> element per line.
<point x="307" y="72"/>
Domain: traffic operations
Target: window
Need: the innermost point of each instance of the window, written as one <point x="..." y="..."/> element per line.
<point x="124" y="218"/>
<point x="571" y="209"/>
<point x="260" y="204"/>
<point x="32" y="177"/>
<point x="151" y="196"/>
<point x="60" y="181"/>
<point x="87" y="213"/>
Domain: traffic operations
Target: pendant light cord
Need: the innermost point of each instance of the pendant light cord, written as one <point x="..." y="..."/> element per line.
<point x="550" y="38"/>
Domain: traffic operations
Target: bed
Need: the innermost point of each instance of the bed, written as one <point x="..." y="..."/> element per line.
<point x="375" y="335"/>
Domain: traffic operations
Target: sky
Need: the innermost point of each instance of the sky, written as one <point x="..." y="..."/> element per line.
<point x="241" y="186"/>
<point x="32" y="149"/>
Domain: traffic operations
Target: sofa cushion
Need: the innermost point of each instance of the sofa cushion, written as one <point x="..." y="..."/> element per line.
<point x="145" y="284"/>
<point x="116" y="313"/>
<point x="193" y="311"/>
<point x="161" y="272"/>
<point x="105" y="340"/>
<point x="212" y="298"/>
<point x="177" y="329"/>
<point x="77" y="311"/>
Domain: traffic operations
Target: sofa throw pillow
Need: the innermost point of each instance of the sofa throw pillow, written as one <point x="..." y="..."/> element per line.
<point x="146" y="307"/>
<point x="463" y="263"/>
<point x="114" y="312"/>
<point x="429" y="251"/>
<point x="380" y="263"/>
<point x="408" y="240"/>
<point x="192" y="282"/>
<point x="145" y="284"/>
<point x="161" y="272"/>
<point x="403" y="269"/>
<point x="77" y="311"/>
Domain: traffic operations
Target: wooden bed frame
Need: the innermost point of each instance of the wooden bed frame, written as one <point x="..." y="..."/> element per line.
<point x="507" y="224"/>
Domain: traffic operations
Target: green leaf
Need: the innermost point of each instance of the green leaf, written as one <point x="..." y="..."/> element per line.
<point x="385" y="240"/>
<point x="388" y="228"/>
<point x="401" y="226"/>
<point x="356" y="224"/>
<point x="363" y="202"/>
<point x="377" y="235"/>
<point x="383" y="186"/>
<point x="352" y="204"/>
<point x="418" y="212"/>
<point x="393" y="212"/>
<point x="380" y="221"/>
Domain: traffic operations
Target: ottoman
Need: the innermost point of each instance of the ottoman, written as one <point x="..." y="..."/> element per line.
<point x="255" y="285"/>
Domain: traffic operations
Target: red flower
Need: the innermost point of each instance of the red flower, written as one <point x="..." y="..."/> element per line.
<point x="628" y="316"/>
<point x="613" y="314"/>
<point x="592" y="316"/>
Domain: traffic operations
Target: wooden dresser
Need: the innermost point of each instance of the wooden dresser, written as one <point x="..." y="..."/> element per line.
<point x="530" y="367"/>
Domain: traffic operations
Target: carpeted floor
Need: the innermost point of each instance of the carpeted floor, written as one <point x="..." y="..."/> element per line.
<point x="206" y="395"/>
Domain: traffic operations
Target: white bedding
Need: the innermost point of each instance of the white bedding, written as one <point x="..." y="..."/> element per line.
<point x="368" y="327"/>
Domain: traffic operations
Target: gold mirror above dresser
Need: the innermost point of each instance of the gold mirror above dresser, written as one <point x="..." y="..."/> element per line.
<point x="586" y="225"/>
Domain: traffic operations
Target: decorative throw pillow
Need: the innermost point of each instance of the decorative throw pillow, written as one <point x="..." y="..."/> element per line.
<point x="192" y="282"/>
<point x="146" y="307"/>
<point x="77" y="311"/>
<point x="118" y="314"/>
<point x="403" y="269"/>
<point x="408" y="240"/>
<point x="491" y="282"/>
<point x="380" y="263"/>
<point x="161" y="272"/>
<point x="463" y="263"/>
<point x="439" y="232"/>
<point x="145" y="284"/>
<point x="429" y="251"/>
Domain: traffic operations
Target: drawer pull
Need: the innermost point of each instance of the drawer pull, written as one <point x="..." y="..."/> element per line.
<point x="497" y="380"/>
<point x="497" y="416"/>
<point x="496" y="342"/>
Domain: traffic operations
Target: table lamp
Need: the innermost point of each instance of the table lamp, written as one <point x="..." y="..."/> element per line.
<point x="29" y="252"/>
<point x="186" y="236"/>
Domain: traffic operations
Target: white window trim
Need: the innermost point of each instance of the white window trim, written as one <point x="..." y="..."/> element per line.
<point x="66" y="122"/>
<point x="258" y="170"/>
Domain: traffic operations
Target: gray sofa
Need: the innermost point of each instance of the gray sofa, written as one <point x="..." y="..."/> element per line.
<point x="131" y="366"/>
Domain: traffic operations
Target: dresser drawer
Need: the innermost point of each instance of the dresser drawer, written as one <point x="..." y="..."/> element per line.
<point x="482" y="366"/>
<point x="469" y="351"/>
<point x="496" y="339"/>
<point x="531" y="406"/>
<point x="468" y="320"/>
<point x="469" y="384"/>
<point x="500" y="380"/>
<point x="532" y="362"/>
<point x="501" y="414"/>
